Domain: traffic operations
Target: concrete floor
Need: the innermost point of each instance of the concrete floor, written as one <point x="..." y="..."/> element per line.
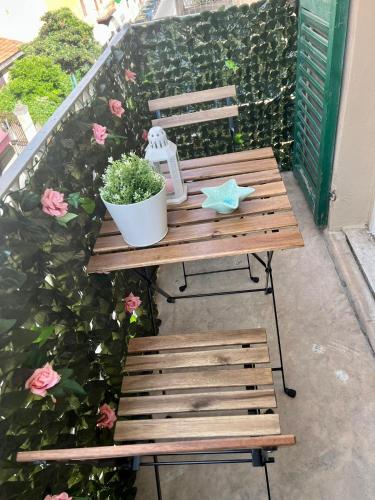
<point x="327" y="360"/>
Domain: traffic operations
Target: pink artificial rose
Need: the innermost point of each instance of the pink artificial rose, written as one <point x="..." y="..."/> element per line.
<point x="108" y="417"/>
<point x="116" y="108"/>
<point x="99" y="133"/>
<point x="130" y="76"/>
<point x="60" y="496"/>
<point x="132" y="303"/>
<point x="42" y="379"/>
<point x="145" y="135"/>
<point x="53" y="203"/>
<point x="169" y="186"/>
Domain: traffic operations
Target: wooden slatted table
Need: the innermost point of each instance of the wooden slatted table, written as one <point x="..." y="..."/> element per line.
<point x="264" y="222"/>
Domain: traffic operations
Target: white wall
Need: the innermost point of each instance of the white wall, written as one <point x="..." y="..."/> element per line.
<point x="354" y="164"/>
<point x="20" y="19"/>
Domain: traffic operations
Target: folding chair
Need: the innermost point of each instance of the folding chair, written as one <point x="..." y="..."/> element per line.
<point x="229" y="111"/>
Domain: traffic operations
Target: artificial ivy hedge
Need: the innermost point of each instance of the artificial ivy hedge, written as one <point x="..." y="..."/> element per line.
<point x="50" y="309"/>
<point x="252" y="47"/>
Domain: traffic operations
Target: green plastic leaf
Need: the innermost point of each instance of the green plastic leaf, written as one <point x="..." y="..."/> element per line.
<point x="66" y="218"/>
<point x="65" y="372"/>
<point x="231" y="65"/>
<point x="56" y="391"/>
<point x="74" y="199"/>
<point x="11" y="279"/>
<point x="72" y="386"/>
<point x="45" y="334"/>
<point x="88" y="205"/>
<point x="6" y="325"/>
<point x="133" y="318"/>
<point x="30" y="201"/>
<point x="238" y="139"/>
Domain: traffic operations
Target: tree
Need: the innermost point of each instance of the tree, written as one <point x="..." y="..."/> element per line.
<point x="7" y="100"/>
<point x="37" y="82"/>
<point x="67" y="40"/>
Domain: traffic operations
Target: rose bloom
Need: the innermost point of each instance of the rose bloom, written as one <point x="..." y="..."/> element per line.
<point x="99" y="133"/>
<point x="53" y="203"/>
<point x="132" y="303"/>
<point x="130" y="76"/>
<point x="145" y="135"/>
<point x="116" y="108"/>
<point x="60" y="496"/>
<point x="42" y="379"/>
<point x="108" y="417"/>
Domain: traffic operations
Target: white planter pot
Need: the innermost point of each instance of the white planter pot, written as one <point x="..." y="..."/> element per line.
<point x="141" y="224"/>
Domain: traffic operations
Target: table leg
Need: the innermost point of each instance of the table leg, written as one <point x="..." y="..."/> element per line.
<point x="147" y="278"/>
<point x="182" y="288"/>
<point x="146" y="275"/>
<point x="289" y="392"/>
<point x="255" y="279"/>
<point x="150" y="305"/>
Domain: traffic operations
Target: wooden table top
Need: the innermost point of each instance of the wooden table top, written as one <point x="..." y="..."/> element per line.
<point x="263" y="222"/>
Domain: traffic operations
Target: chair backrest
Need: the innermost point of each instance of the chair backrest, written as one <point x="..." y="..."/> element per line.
<point x="188" y="99"/>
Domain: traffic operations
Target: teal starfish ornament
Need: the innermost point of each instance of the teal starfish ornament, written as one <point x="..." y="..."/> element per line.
<point x="225" y="198"/>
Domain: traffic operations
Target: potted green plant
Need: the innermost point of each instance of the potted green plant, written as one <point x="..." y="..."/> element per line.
<point x="135" y="196"/>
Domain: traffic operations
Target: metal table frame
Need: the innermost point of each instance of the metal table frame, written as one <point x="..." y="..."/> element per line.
<point x="147" y="274"/>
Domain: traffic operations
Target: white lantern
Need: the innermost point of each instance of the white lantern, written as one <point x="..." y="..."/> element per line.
<point x="162" y="153"/>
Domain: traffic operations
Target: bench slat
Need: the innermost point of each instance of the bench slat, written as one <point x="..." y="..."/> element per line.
<point x="198" y="339"/>
<point x="261" y="190"/>
<point x="206" y="115"/>
<point x="197" y="427"/>
<point x="228" y="169"/>
<point x="188" y="98"/>
<point x="249" y="179"/>
<point x="240" y="156"/>
<point x="247" y="207"/>
<point x="207" y="401"/>
<point x="197" y="380"/>
<point x="222" y="357"/>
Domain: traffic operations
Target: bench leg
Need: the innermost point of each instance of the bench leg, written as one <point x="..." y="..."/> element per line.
<point x="260" y="459"/>
<point x="267" y="482"/>
<point x="157" y="478"/>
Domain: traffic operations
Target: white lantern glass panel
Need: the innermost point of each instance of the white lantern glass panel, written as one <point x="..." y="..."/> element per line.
<point x="163" y="155"/>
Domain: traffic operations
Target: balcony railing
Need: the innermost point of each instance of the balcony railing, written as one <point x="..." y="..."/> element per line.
<point x="15" y="176"/>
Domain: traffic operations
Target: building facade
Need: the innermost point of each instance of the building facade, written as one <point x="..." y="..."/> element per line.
<point x="20" y="19"/>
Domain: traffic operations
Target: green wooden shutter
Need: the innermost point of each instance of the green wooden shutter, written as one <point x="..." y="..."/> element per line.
<point x="320" y="58"/>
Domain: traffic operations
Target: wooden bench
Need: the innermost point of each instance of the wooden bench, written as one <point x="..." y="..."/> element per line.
<point x="172" y="385"/>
